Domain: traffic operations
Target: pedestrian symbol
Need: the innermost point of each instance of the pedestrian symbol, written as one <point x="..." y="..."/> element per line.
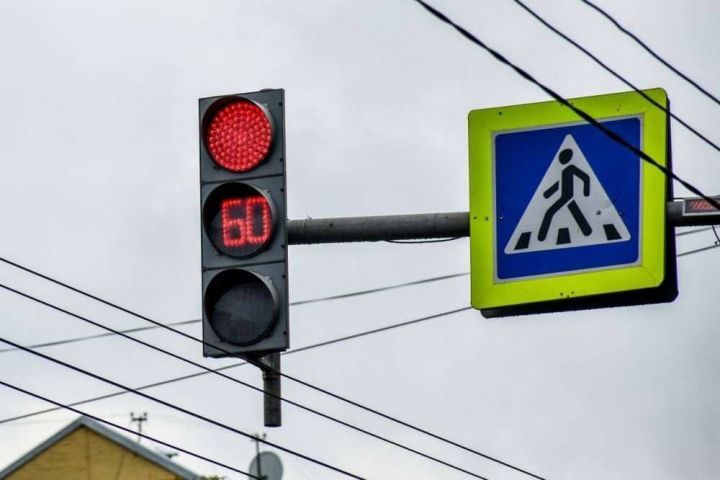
<point x="569" y="208"/>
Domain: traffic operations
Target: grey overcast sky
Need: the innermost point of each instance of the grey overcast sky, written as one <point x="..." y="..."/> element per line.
<point x="98" y="133"/>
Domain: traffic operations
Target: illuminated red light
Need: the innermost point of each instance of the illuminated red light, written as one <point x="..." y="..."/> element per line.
<point x="699" y="206"/>
<point x="245" y="221"/>
<point x="239" y="136"/>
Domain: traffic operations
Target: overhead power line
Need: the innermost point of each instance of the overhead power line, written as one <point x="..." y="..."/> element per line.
<point x="234" y="365"/>
<point x="436" y="240"/>
<point x="188" y="322"/>
<point x="300" y="302"/>
<point x="651" y="51"/>
<point x="415" y="428"/>
<point x="698" y="250"/>
<point x="297" y="350"/>
<point x="691" y="232"/>
<point x="292" y="378"/>
<point x="615" y="74"/>
<point x="229" y="353"/>
<point x="285" y="375"/>
<point x="126" y="430"/>
<point x="176" y="407"/>
<point x="96" y="336"/>
<point x="381" y="289"/>
<point x="209" y="370"/>
<point x="306" y="384"/>
<point x="289" y="352"/>
<point x="581" y="113"/>
<point x="185" y="377"/>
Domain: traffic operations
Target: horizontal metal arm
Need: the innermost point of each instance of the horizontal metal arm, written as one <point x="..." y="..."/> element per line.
<point x="425" y="226"/>
<point x="375" y="229"/>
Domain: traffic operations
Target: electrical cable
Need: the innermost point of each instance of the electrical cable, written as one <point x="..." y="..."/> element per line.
<point x="308" y="347"/>
<point x="125" y="429"/>
<point x="651" y="51"/>
<point x="178" y="408"/>
<point x="186" y="322"/>
<point x="690" y="232"/>
<point x="425" y="432"/>
<point x="581" y="113"/>
<point x="716" y="234"/>
<point x="437" y="240"/>
<point x="26" y="269"/>
<point x="172" y="380"/>
<point x="266" y="367"/>
<point x="377" y="289"/>
<point x="234" y="365"/>
<point x="393" y="419"/>
<point x="232" y="379"/>
<point x="697" y="250"/>
<point x="616" y="75"/>
<point x="296" y="303"/>
<point x="358" y="405"/>
<point x="96" y="336"/>
<point x="319" y="389"/>
<point x="300" y="302"/>
<point x="301" y="349"/>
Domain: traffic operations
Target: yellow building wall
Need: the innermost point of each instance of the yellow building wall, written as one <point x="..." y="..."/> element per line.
<point x="86" y="455"/>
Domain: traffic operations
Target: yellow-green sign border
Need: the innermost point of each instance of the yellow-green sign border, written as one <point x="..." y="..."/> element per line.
<point x="483" y="125"/>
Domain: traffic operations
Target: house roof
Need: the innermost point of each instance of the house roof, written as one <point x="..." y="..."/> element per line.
<point x="112" y="435"/>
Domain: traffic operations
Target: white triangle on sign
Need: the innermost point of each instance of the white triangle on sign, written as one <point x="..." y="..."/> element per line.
<point x="568" y="209"/>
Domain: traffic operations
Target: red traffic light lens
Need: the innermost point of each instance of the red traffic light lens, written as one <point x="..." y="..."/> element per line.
<point x="238" y="219"/>
<point x="239" y="135"/>
<point x="240" y="306"/>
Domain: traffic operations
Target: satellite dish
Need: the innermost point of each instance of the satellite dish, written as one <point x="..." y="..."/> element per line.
<point x="266" y="465"/>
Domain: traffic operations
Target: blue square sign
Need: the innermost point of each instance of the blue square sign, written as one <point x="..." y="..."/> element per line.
<point x="562" y="216"/>
<point x="591" y="215"/>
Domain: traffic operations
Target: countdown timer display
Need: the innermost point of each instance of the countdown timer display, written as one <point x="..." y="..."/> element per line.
<point x="238" y="219"/>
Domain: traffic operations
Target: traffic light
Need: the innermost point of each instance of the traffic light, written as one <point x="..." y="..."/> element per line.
<point x="244" y="236"/>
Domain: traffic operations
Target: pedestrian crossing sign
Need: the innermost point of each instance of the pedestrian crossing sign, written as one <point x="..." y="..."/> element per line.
<point x="562" y="216"/>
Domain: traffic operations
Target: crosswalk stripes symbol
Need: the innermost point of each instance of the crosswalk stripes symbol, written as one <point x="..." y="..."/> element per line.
<point x="568" y="209"/>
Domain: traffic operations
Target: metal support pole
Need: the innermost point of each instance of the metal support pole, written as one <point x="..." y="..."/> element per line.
<point x="257" y="438"/>
<point x="430" y="225"/>
<point x="272" y="405"/>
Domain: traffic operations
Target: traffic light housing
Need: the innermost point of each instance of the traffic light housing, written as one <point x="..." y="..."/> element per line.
<point x="243" y="224"/>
